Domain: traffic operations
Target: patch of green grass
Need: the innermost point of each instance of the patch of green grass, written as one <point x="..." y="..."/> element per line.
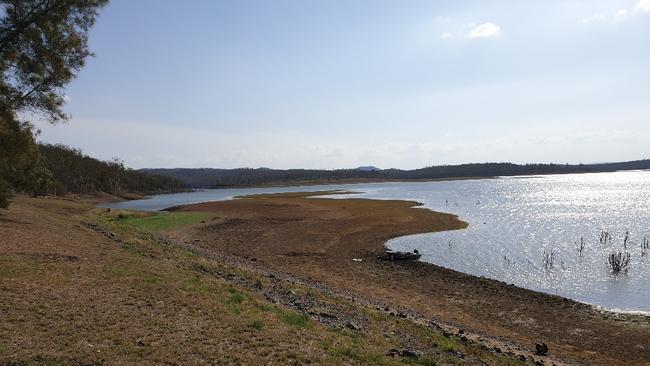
<point x="449" y="345"/>
<point x="427" y="361"/>
<point x="234" y="297"/>
<point x="295" y="319"/>
<point x="155" y="222"/>
<point x="256" y="324"/>
<point x="197" y="285"/>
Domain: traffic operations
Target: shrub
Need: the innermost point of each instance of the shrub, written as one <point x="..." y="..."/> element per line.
<point x="618" y="262"/>
<point x="256" y="324"/>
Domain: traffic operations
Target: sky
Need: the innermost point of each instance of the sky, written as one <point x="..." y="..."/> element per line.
<point x="345" y="83"/>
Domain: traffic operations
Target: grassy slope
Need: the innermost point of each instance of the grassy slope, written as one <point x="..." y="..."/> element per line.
<point x="72" y="295"/>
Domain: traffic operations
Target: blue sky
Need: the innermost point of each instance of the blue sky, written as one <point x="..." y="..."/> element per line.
<point x="333" y="84"/>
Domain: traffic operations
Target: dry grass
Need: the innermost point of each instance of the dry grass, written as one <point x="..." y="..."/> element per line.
<point x="73" y="296"/>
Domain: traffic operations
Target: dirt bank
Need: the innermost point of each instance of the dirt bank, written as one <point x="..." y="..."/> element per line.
<point x="319" y="238"/>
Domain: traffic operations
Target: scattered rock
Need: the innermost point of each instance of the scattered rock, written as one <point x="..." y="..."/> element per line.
<point x="353" y="326"/>
<point x="410" y="353"/>
<point x="403" y="353"/>
<point x="541" y="349"/>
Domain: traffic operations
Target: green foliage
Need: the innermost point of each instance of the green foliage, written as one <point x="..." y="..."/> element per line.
<point x="43" y="45"/>
<point x="78" y="173"/>
<point x="21" y="168"/>
<point x="155" y="222"/>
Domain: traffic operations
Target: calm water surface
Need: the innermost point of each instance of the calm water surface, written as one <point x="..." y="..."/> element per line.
<point x="513" y="222"/>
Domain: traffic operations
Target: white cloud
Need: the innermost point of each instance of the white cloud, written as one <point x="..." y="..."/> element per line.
<point x="486" y="30"/>
<point x="643" y="6"/>
<point x="593" y="18"/>
<point x="621" y="13"/>
<point x="446" y="35"/>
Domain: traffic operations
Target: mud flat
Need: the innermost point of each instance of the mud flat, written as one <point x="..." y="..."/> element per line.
<point x="337" y="242"/>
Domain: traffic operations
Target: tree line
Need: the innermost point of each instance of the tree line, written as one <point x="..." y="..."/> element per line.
<point x="220" y="178"/>
<point x="68" y="170"/>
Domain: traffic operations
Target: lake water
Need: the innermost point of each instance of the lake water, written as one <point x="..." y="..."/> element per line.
<point x="514" y="222"/>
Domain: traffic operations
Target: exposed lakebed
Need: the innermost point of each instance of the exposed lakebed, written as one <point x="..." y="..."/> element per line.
<point x="516" y="224"/>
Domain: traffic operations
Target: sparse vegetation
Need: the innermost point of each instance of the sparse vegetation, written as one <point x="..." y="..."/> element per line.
<point x="618" y="262"/>
<point x="294" y="319"/>
<point x="448" y="345"/>
<point x="549" y="259"/>
<point x="581" y="246"/>
<point x="605" y="238"/>
<point x="256" y="324"/>
<point x="157" y="221"/>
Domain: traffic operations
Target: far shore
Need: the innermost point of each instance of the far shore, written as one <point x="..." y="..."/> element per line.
<point x="336" y="242"/>
<point x="316" y="182"/>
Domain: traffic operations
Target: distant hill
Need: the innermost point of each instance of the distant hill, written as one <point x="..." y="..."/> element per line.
<point x="369" y="168"/>
<point x="219" y="178"/>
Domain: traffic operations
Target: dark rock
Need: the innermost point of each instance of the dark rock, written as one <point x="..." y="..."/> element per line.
<point x="353" y="326"/>
<point x="393" y="352"/>
<point x="410" y="353"/>
<point x="522" y="358"/>
<point x="541" y="349"/>
<point x="140" y="343"/>
<point x="402" y="353"/>
<point x="497" y="349"/>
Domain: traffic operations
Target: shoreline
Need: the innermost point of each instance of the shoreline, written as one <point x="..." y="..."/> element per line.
<point x="339" y="233"/>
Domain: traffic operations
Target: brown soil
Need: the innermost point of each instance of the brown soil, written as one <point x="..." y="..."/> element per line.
<point x="81" y="286"/>
<point x="319" y="238"/>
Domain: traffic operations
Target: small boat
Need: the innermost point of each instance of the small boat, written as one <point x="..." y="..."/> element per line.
<point x="391" y="255"/>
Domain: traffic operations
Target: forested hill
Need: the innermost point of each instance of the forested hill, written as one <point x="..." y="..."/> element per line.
<point x="68" y="170"/>
<point x="216" y="178"/>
